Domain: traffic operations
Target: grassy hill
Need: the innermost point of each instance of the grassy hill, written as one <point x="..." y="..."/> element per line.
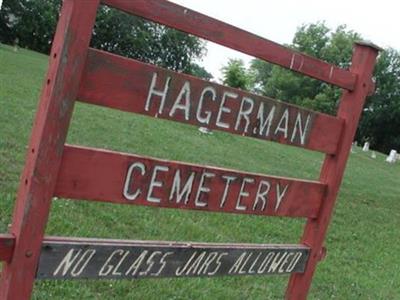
<point x="363" y="260"/>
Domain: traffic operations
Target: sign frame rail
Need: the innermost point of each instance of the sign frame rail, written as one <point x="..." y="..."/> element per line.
<point x="25" y="248"/>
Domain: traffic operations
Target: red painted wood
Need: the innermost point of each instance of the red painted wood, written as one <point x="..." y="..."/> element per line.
<point x="125" y="84"/>
<point x="7" y="242"/>
<point x="332" y="171"/>
<point x="100" y="175"/>
<point x="179" y="17"/>
<point x="46" y="145"/>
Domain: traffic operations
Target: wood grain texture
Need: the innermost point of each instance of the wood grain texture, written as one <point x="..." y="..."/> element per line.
<point x="186" y="20"/>
<point x="46" y="145"/>
<point x="128" y="85"/>
<point x="101" y="175"/>
<point x="69" y="258"/>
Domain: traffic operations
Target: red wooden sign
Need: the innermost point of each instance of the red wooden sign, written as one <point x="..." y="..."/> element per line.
<point x="55" y="169"/>
<point x="132" y="179"/>
<point x="125" y="84"/>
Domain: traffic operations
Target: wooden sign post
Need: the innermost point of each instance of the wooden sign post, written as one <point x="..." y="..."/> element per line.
<point x="96" y="77"/>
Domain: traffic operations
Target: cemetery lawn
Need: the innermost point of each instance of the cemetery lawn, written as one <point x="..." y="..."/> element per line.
<point x="363" y="259"/>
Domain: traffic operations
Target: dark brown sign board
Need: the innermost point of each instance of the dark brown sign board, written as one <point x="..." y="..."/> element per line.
<point x="108" y="259"/>
<point x="53" y="168"/>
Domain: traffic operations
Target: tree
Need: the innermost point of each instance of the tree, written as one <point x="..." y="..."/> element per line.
<point x="380" y="122"/>
<point x="200" y="72"/>
<point x="318" y="41"/>
<point x="33" y="22"/>
<point x="235" y="74"/>
<point x="123" y="34"/>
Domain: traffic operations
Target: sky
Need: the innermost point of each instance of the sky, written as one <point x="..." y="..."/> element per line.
<point x="277" y="20"/>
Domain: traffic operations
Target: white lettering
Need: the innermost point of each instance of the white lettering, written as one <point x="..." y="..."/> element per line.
<point x="244" y="113"/>
<point x="219" y="263"/>
<point x="193" y="268"/>
<point x="242" y="271"/>
<point x="237" y="263"/>
<point x="224" y="109"/>
<point x="243" y="193"/>
<point x="163" y="263"/>
<point x="150" y="263"/>
<point x="261" y="194"/>
<point x="202" y="189"/>
<point x="179" y="271"/>
<point x="302" y="130"/>
<point x="251" y="271"/>
<point x="107" y="268"/>
<point x="279" y="195"/>
<point x="279" y="257"/>
<point x="153" y="91"/>
<point x="228" y="180"/>
<point x="183" y="193"/>
<point x="134" y="268"/>
<point x="154" y="183"/>
<point x="206" y="264"/>
<point x="206" y="119"/>
<point x="128" y="181"/>
<point x="67" y="262"/>
<point x="294" y="262"/>
<point x="267" y="123"/>
<point x="265" y="262"/>
<point x="83" y="261"/>
<point x="185" y="91"/>
<point x="285" y="121"/>
<point x="281" y="268"/>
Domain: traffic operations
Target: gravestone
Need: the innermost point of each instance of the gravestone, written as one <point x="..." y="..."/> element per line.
<point x="366" y="147"/>
<point x="392" y="157"/>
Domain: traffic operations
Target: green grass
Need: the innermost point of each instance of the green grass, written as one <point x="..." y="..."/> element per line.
<point x="363" y="242"/>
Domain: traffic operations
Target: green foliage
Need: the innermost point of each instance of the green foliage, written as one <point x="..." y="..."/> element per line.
<point x="380" y="123"/>
<point x="362" y="241"/>
<point x="235" y="74"/>
<point x="199" y="71"/>
<point x="33" y="22"/>
<point x="123" y="34"/>
<point x="318" y="41"/>
<point x="260" y="72"/>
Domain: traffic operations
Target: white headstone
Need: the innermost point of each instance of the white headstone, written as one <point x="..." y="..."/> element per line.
<point x="353" y="147"/>
<point x="205" y="130"/>
<point x="366" y="147"/>
<point x="373" y="155"/>
<point x="392" y="157"/>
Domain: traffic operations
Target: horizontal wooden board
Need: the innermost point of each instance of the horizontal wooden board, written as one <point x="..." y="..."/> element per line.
<point x="115" y="177"/>
<point x="7" y="242"/>
<point x="113" y="259"/>
<point x="184" y="19"/>
<point x="125" y="84"/>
